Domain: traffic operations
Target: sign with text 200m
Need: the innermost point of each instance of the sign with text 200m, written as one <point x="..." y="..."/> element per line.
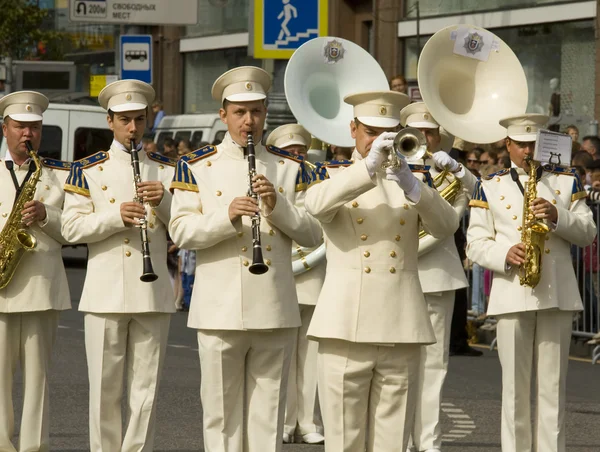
<point x="147" y="12"/>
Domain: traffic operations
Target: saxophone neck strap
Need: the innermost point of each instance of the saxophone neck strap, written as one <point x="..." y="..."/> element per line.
<point x="515" y="177"/>
<point x="10" y="166"/>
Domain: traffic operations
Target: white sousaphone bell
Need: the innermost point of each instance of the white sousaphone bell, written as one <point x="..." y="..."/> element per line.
<point x="320" y="73"/>
<point x="469" y="79"/>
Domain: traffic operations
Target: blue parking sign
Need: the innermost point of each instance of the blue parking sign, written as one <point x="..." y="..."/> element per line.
<point x="281" y="26"/>
<point x="136" y="57"/>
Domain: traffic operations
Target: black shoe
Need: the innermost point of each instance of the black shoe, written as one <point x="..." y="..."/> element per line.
<point x="465" y="350"/>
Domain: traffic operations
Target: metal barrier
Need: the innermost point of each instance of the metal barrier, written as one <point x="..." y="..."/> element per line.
<point x="586" y="262"/>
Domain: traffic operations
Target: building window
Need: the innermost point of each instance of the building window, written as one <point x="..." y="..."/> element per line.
<point x="216" y="20"/>
<point x="201" y="71"/>
<point x="446" y="7"/>
<point x="561" y="54"/>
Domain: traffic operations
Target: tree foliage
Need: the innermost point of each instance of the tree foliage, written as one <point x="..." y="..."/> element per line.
<point x="22" y="32"/>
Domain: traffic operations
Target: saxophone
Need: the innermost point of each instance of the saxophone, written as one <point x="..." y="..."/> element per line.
<point x="14" y="238"/>
<point x="533" y="234"/>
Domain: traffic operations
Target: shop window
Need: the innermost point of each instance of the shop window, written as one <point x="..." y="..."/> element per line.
<point x="446" y="7"/>
<point x="51" y="144"/>
<point x="559" y="64"/>
<point x="88" y="141"/>
<point x="213" y="19"/>
<point x="201" y="71"/>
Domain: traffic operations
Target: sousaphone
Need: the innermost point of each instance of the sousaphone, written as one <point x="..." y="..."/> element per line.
<point x="320" y="73"/>
<point x="469" y="79"/>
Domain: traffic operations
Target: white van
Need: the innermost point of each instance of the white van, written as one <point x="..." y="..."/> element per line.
<point x="71" y="132"/>
<point x="197" y="128"/>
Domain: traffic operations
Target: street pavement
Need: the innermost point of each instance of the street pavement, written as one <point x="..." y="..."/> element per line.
<point x="470" y="419"/>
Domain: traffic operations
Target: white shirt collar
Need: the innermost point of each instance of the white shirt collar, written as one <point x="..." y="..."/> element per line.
<point x="9" y="158"/>
<point x="122" y="147"/>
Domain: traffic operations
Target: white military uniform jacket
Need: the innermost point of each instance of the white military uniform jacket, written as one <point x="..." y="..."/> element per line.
<point x="496" y="224"/>
<point x="372" y="292"/>
<point x="96" y="188"/>
<point x="227" y="295"/>
<point x="440" y="267"/>
<point x="40" y="281"/>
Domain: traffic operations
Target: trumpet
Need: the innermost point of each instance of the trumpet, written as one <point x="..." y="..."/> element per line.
<point x="148" y="274"/>
<point x="409" y="144"/>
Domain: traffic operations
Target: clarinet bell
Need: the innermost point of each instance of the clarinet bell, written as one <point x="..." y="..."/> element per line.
<point x="258" y="266"/>
<point x="148" y="274"/>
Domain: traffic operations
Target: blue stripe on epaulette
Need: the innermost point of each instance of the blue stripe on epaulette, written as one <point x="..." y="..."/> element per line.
<point x="93" y="159"/>
<point x="183" y="179"/>
<point x="303" y="178"/>
<point x="319" y="173"/>
<point x="479" y="199"/>
<point x="423" y="169"/>
<point x="76" y="182"/>
<point x="560" y="170"/>
<point x="199" y="154"/>
<point x="286" y="154"/>
<point x="337" y="163"/>
<point x="161" y="158"/>
<point x="502" y="172"/>
<point x="56" y="164"/>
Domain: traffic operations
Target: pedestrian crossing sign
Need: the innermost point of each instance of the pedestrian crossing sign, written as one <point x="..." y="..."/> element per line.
<point x="281" y="26"/>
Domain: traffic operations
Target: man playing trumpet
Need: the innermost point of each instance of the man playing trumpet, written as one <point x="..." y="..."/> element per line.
<point x="371" y="318"/>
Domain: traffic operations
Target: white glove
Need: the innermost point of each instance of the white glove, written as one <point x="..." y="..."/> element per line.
<point x="444" y="161"/>
<point x="379" y="151"/>
<point x="404" y="177"/>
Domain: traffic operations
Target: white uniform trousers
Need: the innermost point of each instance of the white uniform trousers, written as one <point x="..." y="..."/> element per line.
<point x="243" y="388"/>
<point x="367" y="394"/>
<point x="427" y="432"/>
<point x="534" y="340"/>
<point x="26" y="339"/>
<point x="302" y="413"/>
<point x="113" y="343"/>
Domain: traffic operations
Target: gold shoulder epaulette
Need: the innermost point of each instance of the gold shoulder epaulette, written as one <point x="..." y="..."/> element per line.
<point x="199" y="154"/>
<point x="502" y="172"/>
<point x="93" y="159"/>
<point x="161" y="158"/>
<point x="286" y="154"/>
<point x="56" y="164"/>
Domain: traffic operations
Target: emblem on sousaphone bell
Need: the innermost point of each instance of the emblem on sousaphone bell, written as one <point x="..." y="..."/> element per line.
<point x="334" y="52"/>
<point x="473" y="43"/>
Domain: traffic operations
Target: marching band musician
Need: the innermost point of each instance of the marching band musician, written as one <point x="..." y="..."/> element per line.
<point x="302" y="417"/>
<point x="246" y="323"/>
<point x="441" y="273"/>
<point x="126" y="320"/>
<point x="38" y="290"/>
<point x="534" y="324"/>
<point x="371" y="317"/>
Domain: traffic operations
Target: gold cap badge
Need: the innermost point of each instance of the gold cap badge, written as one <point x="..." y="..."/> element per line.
<point x="28" y="108"/>
<point x="128" y="97"/>
<point x="528" y="129"/>
<point x="382" y="110"/>
<point x="249" y="86"/>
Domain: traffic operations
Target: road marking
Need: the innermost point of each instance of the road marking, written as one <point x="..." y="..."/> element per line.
<point x="462" y="424"/>
<point x="178" y="346"/>
<point x="63" y="327"/>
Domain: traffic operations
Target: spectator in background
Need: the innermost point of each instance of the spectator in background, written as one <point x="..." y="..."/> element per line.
<point x="184" y="147"/>
<point x="584" y="160"/>
<point x="149" y="145"/>
<point x="340" y="153"/>
<point x="489" y="158"/>
<point x="591" y="145"/>
<point x="169" y="148"/>
<point x="474" y="161"/>
<point x="398" y="83"/>
<point x="157" y="109"/>
<point x="574" y="132"/>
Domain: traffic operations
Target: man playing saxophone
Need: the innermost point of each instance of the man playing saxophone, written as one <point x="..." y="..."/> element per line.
<point x="126" y="319"/>
<point x="534" y="323"/>
<point x="371" y="318"/>
<point x="31" y="200"/>
<point x="246" y="322"/>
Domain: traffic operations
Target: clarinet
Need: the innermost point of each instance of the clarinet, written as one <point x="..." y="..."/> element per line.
<point x="258" y="266"/>
<point x="148" y="274"/>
